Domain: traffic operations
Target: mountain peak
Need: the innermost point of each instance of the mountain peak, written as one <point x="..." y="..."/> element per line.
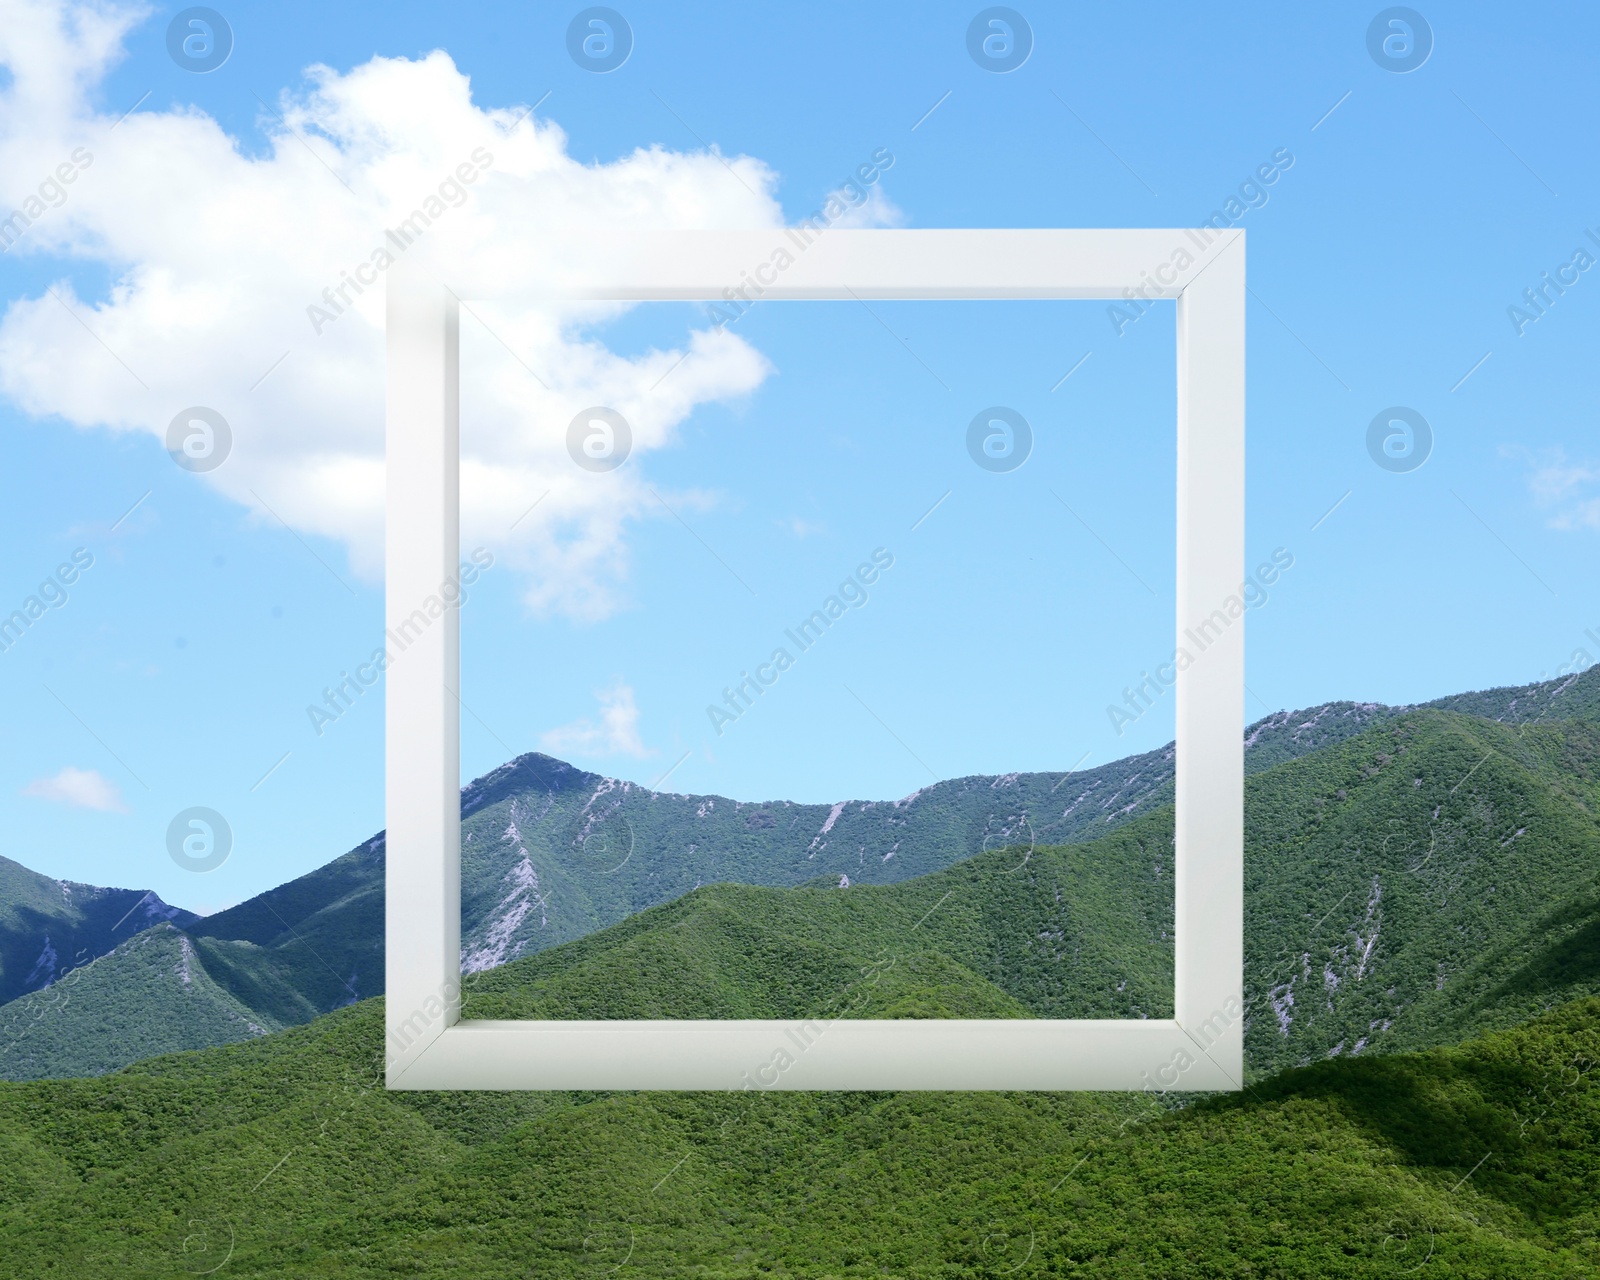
<point x="534" y="771"/>
<point x="49" y="926"/>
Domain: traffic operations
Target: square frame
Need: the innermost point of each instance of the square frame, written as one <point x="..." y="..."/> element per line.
<point x="429" y="1045"/>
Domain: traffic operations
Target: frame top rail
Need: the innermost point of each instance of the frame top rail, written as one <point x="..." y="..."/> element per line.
<point x="803" y="262"/>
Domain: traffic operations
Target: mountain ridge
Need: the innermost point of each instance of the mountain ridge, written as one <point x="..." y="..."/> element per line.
<point x="49" y="927"/>
<point x="550" y="851"/>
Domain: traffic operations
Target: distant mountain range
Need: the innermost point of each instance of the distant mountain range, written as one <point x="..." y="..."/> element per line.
<point x="1411" y="873"/>
<point x="1432" y="877"/>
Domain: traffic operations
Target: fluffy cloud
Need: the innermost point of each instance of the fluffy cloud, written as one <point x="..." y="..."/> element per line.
<point x="615" y="733"/>
<point x="218" y="249"/>
<point x="81" y="788"/>
<point x="1565" y="489"/>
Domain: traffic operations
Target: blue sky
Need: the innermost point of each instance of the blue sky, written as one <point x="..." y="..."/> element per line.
<point x="1384" y="258"/>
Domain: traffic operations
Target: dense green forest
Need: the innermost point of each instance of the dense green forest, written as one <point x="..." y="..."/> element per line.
<point x="284" y="1156"/>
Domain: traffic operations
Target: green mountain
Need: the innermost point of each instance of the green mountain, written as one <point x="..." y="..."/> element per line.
<point x="50" y="927"/>
<point x="1434" y="876"/>
<point x="149" y="996"/>
<point x="551" y="853"/>
<point x="1381" y="869"/>
<point x="1072" y="931"/>
<point x="1573" y="697"/>
<point x="284" y="1156"/>
<point x="306" y="947"/>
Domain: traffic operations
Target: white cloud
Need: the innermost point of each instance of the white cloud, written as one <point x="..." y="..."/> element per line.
<point x="1581" y="515"/>
<point x="801" y="527"/>
<point x="877" y="210"/>
<point x="1564" y="488"/>
<point x="217" y="246"/>
<point x="615" y="734"/>
<point x="81" y="788"/>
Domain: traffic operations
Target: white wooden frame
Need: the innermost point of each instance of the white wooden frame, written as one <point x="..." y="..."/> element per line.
<point x="431" y="1047"/>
